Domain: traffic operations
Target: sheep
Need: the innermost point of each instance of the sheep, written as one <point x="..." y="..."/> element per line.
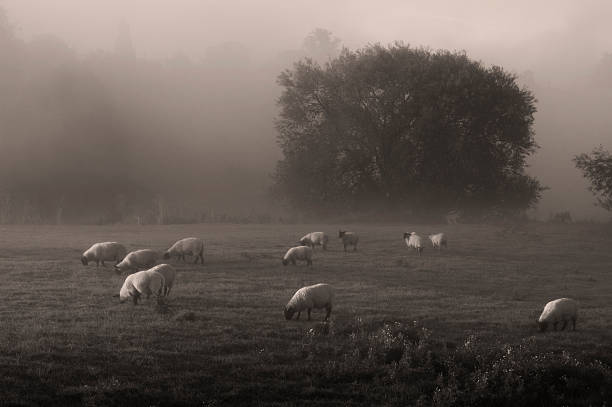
<point x="101" y="252"/>
<point x="169" y="274"/>
<point x="138" y="259"/>
<point x="560" y="310"/>
<point x="307" y="298"/>
<point x="145" y="282"/>
<point x="298" y="253"/>
<point x="315" y="238"/>
<point x="438" y="240"/>
<point x="348" y="239"/>
<point x="192" y="246"/>
<point x="414" y="241"/>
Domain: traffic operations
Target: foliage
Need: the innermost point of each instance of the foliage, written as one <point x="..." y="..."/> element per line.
<point x="597" y="168"/>
<point x="404" y="125"/>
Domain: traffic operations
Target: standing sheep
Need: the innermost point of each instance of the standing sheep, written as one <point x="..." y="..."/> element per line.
<point x="315" y="239"/>
<point x="145" y="283"/>
<point x="105" y="251"/>
<point x="438" y="240"/>
<point x="307" y="298"/>
<point x="561" y="310"/>
<point x="192" y="246"/>
<point x="169" y="274"/>
<point x="139" y="259"/>
<point x="303" y="253"/>
<point x="414" y="241"/>
<point x="348" y="239"/>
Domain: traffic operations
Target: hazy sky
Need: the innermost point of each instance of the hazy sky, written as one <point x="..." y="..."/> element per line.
<point x="561" y="41"/>
<point x="497" y="31"/>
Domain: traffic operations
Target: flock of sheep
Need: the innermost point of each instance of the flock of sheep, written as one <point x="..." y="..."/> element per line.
<point x="159" y="279"/>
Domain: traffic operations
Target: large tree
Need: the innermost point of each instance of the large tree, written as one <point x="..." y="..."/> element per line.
<point x="597" y="168"/>
<point x="404" y="126"/>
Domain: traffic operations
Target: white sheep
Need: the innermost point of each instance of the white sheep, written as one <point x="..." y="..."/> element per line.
<point x="315" y="239"/>
<point x="169" y="274"/>
<point x="348" y="239"/>
<point x="438" y="240"/>
<point x="105" y="251"/>
<point x="414" y="241"/>
<point x="303" y="253"/>
<point x="138" y="259"/>
<point x="192" y="246"/>
<point x="145" y="283"/>
<point x="307" y="298"/>
<point x="560" y="310"/>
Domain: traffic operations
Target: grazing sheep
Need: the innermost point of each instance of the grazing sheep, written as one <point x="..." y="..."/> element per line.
<point x="101" y="252"/>
<point x="298" y="253"/>
<point x="414" y="241"/>
<point x="192" y="246"/>
<point x="561" y="310"/>
<point x="139" y="259"/>
<point x="438" y="240"/>
<point x="145" y="283"/>
<point x="307" y="298"/>
<point x="348" y="239"/>
<point x="315" y="239"/>
<point x="169" y="274"/>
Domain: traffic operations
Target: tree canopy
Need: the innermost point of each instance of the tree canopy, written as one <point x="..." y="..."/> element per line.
<point x="597" y="168"/>
<point x="406" y="126"/>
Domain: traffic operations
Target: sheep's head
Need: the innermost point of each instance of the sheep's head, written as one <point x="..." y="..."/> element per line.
<point x="406" y="234"/>
<point x="289" y="313"/>
<point x="285" y="262"/>
<point x="166" y="255"/>
<point x="543" y="326"/>
<point x="84" y="260"/>
<point x="341" y="233"/>
<point x="117" y="268"/>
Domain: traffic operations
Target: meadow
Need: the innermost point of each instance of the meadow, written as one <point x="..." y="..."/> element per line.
<point x="451" y="328"/>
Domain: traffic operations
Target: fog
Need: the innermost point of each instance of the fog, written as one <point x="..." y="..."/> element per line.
<point x="174" y="102"/>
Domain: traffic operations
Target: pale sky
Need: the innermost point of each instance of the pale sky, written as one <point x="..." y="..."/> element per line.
<point x="520" y="32"/>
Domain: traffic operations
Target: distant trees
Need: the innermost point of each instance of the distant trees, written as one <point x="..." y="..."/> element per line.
<point x="597" y="168"/>
<point x="404" y="126"/>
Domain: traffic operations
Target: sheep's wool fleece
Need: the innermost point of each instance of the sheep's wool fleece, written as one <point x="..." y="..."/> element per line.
<point x="191" y="245"/>
<point x="298" y="253"/>
<point x="415" y="241"/>
<point x="105" y="251"/>
<point x="145" y="282"/>
<point x="139" y="257"/>
<point x="314" y="296"/>
<point x="559" y="310"/>
<point x="315" y="237"/>
<point x="438" y="239"/>
<point x="350" y="238"/>
<point x="167" y="271"/>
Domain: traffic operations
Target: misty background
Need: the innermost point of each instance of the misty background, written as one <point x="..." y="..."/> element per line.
<point x="115" y="110"/>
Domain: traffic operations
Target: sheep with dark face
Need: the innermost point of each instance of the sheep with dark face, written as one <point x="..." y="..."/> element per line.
<point x="303" y="253"/>
<point x="105" y="251"/>
<point x="414" y="241"/>
<point x="144" y="283"/>
<point x="315" y="239"/>
<point x="138" y="259"/>
<point x="561" y="310"/>
<point x="192" y="246"/>
<point x="348" y="239"/>
<point x="307" y="298"/>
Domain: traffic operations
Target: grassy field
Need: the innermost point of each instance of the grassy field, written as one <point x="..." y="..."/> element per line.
<point x="451" y="328"/>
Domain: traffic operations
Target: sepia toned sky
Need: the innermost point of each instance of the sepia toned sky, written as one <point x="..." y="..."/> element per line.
<point x="562" y="43"/>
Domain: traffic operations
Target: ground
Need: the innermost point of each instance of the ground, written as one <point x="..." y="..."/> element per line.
<point x="221" y="338"/>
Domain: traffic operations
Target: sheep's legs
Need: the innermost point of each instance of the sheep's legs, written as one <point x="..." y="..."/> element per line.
<point x="574" y="323"/>
<point x="309" y="314"/>
<point x="555" y="326"/>
<point x="329" y="309"/>
<point x="298" y="315"/>
<point x="135" y="297"/>
<point x="309" y="262"/>
<point x="564" y="324"/>
<point x="355" y="248"/>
